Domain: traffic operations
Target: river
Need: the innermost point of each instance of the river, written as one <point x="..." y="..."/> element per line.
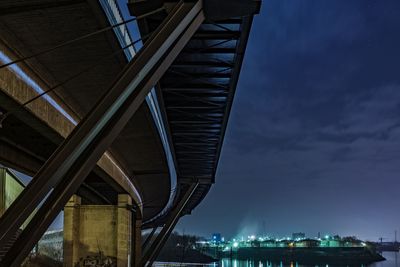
<point x="392" y="260"/>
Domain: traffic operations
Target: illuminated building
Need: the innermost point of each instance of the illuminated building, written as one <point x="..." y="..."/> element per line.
<point x="298" y="236"/>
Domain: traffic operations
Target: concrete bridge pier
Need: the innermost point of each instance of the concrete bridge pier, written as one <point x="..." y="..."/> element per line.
<point x="100" y="233"/>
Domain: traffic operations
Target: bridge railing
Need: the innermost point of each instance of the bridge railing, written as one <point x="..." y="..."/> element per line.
<point x="124" y="36"/>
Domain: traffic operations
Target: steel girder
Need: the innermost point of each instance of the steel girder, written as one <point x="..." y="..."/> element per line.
<point x="148" y="239"/>
<point x="155" y="247"/>
<point x="66" y="169"/>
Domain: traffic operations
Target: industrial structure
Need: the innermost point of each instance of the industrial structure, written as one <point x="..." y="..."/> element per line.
<point x="120" y="118"/>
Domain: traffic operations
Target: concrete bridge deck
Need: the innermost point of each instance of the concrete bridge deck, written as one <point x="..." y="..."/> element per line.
<point x="30" y="31"/>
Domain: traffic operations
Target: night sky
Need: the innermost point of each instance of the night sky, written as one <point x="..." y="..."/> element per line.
<point x="313" y="139"/>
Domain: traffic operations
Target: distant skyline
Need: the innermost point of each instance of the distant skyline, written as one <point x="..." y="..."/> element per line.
<point x="313" y="141"/>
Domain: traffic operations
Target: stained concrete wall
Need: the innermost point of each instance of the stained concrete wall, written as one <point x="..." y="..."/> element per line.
<point x="97" y="233"/>
<point x="14" y="86"/>
<point x="124" y="230"/>
<point x="10" y="188"/>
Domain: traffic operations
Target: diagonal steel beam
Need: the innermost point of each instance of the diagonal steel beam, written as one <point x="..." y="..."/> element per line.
<point x="149" y="237"/>
<point x="153" y="251"/>
<point x="66" y="169"/>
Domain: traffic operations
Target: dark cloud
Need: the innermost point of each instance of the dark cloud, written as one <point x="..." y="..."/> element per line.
<point x="313" y="140"/>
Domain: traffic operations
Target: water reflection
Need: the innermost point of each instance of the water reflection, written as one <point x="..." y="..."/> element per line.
<point x="249" y="263"/>
<point x="392" y="260"/>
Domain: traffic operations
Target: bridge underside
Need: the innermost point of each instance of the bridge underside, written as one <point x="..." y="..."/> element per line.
<point x="198" y="88"/>
<point x="27" y="29"/>
<point x="26" y="143"/>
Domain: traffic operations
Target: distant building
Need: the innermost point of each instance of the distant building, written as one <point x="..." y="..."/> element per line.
<point x="216" y="237"/>
<point x="333" y="243"/>
<point x="270" y="243"/>
<point x="51" y="245"/>
<point x="306" y="243"/>
<point x="297" y="236"/>
<point x="10" y="188"/>
<point x="284" y="243"/>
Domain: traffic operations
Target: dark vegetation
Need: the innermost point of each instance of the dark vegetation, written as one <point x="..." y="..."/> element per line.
<point x="181" y="248"/>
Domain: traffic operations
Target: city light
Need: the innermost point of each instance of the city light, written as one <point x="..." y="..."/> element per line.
<point x="266" y="241"/>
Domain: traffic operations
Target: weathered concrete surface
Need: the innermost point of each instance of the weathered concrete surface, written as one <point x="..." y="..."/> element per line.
<point x="10" y="188"/>
<point x="97" y="232"/>
<point x="71" y="231"/>
<point x="14" y="87"/>
<point x="138" y="150"/>
<point x="124" y="230"/>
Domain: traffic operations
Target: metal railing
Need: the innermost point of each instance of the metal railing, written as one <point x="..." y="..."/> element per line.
<point x="113" y="12"/>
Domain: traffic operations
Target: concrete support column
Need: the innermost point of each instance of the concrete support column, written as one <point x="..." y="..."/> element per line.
<point x="100" y="234"/>
<point x="71" y="231"/>
<point x="124" y="231"/>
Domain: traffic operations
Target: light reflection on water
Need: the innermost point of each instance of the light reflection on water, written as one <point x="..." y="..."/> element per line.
<point x="392" y="260"/>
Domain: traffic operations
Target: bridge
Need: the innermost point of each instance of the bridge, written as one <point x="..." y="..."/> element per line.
<point x="118" y="110"/>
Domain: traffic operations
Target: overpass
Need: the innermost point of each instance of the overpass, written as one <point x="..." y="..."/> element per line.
<point x="105" y="114"/>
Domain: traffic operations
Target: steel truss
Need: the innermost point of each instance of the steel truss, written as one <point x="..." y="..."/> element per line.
<point x="152" y="252"/>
